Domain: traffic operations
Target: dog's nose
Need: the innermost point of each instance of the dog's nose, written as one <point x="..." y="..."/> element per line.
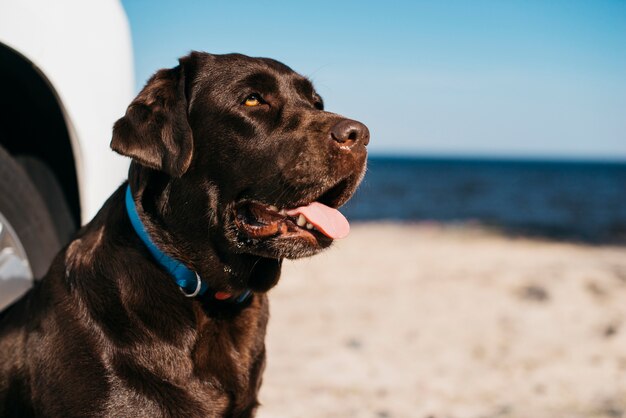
<point x="349" y="132"/>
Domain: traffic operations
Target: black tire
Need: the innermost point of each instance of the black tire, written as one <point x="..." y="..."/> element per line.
<point x="22" y="205"/>
<point x="52" y="193"/>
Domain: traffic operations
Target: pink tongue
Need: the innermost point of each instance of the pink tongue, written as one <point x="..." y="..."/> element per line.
<point x="326" y="219"/>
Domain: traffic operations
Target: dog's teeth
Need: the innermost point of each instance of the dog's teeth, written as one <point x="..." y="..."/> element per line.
<point x="283" y="212"/>
<point x="309" y="226"/>
<point x="273" y="208"/>
<point x="301" y="220"/>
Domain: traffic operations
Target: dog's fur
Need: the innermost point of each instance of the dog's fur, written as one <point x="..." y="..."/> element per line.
<point x="107" y="332"/>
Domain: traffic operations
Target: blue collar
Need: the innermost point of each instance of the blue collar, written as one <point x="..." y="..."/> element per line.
<point x="189" y="281"/>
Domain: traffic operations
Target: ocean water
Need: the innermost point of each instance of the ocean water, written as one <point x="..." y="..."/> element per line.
<point x="560" y="199"/>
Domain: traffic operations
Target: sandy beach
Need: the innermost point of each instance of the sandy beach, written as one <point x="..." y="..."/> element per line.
<point x="443" y="322"/>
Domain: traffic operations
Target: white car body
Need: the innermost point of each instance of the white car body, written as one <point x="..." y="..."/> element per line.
<point x="77" y="43"/>
<point x="82" y="52"/>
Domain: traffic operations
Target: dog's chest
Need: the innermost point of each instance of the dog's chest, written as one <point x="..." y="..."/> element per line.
<point x="217" y="373"/>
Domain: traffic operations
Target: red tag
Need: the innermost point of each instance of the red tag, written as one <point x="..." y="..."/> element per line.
<point x="222" y="295"/>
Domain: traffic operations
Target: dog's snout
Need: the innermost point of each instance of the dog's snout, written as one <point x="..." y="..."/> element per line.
<point x="349" y="132"/>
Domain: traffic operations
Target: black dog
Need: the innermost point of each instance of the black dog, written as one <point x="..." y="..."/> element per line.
<point x="158" y="306"/>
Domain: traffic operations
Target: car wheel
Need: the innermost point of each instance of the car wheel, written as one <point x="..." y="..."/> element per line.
<point x="28" y="237"/>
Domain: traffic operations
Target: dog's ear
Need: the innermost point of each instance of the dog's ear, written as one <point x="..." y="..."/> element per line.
<point x="155" y="131"/>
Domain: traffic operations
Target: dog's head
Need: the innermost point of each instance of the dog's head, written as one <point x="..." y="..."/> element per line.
<point x="243" y="157"/>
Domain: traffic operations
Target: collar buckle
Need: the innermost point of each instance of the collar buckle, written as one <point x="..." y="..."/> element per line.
<point x="195" y="292"/>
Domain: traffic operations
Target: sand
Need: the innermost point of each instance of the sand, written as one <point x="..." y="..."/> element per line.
<point x="433" y="321"/>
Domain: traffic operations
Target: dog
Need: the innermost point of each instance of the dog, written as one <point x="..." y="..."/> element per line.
<point x="158" y="306"/>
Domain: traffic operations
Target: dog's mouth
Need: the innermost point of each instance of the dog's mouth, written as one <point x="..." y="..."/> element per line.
<point x="317" y="221"/>
<point x="314" y="222"/>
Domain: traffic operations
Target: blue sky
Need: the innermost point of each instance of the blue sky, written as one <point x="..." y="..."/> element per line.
<point x="479" y="78"/>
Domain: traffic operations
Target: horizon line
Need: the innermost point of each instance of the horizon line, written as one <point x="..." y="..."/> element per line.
<point x="547" y="158"/>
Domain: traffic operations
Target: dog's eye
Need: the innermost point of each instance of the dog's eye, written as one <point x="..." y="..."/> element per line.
<point x="253" y="100"/>
<point x="318" y="103"/>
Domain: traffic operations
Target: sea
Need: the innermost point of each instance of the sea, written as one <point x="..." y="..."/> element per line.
<point x="570" y="200"/>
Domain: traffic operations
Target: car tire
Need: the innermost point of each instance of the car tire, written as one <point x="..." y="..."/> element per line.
<point x="22" y="206"/>
<point x="44" y="179"/>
